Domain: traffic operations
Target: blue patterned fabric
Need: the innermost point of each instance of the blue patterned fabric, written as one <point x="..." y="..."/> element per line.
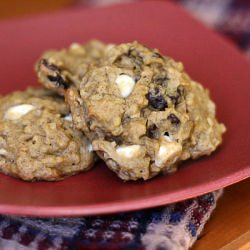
<point x="175" y="226"/>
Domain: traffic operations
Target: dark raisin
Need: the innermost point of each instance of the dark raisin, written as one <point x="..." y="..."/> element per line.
<point x="174" y="119"/>
<point x="59" y="81"/>
<point x="50" y="66"/>
<point x="118" y="140"/>
<point x="166" y="134"/>
<point x="157" y="55"/>
<point x="152" y="131"/>
<point x="157" y="100"/>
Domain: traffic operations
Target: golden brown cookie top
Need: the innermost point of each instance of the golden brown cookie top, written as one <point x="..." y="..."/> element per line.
<point x="141" y="105"/>
<point x="141" y="111"/>
<point x="37" y="139"/>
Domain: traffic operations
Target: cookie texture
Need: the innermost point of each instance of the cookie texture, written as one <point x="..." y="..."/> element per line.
<point x="57" y="70"/>
<point x="37" y="139"/>
<point x="142" y="112"/>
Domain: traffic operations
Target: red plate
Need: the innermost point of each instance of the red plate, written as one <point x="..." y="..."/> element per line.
<point x="208" y="58"/>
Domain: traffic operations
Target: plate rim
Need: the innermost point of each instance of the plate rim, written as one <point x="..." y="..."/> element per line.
<point x="124" y="206"/>
<point x="135" y="204"/>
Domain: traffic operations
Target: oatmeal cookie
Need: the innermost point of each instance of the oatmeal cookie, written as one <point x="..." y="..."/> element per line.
<point x="142" y="112"/>
<point x="57" y="70"/>
<point x="37" y="139"/>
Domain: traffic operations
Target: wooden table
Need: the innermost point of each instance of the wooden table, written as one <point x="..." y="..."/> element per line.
<point x="229" y="226"/>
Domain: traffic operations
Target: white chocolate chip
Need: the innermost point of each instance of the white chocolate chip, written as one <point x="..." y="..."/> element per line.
<point x="128" y="151"/>
<point x="90" y="148"/>
<point x="125" y="84"/>
<point x="168" y="138"/>
<point x="68" y="118"/>
<point x="16" y="112"/>
<point x="3" y="151"/>
<point x="168" y="153"/>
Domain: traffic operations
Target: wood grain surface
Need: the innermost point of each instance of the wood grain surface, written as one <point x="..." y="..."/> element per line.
<point x="229" y="226"/>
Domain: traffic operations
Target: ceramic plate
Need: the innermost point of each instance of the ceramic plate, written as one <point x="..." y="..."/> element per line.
<point x="207" y="57"/>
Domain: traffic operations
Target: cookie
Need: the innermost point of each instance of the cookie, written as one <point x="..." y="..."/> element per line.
<point x="57" y="70"/>
<point x="37" y="139"/>
<point x="143" y="113"/>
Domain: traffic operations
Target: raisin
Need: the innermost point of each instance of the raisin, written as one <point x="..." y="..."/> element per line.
<point x="152" y="131"/>
<point x="55" y="75"/>
<point x="157" y="55"/>
<point x="166" y="133"/>
<point x="174" y="119"/>
<point x="58" y="80"/>
<point x="157" y="100"/>
<point x="50" y="66"/>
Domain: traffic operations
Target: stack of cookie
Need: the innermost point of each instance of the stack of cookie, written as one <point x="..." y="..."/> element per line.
<point x="136" y="109"/>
